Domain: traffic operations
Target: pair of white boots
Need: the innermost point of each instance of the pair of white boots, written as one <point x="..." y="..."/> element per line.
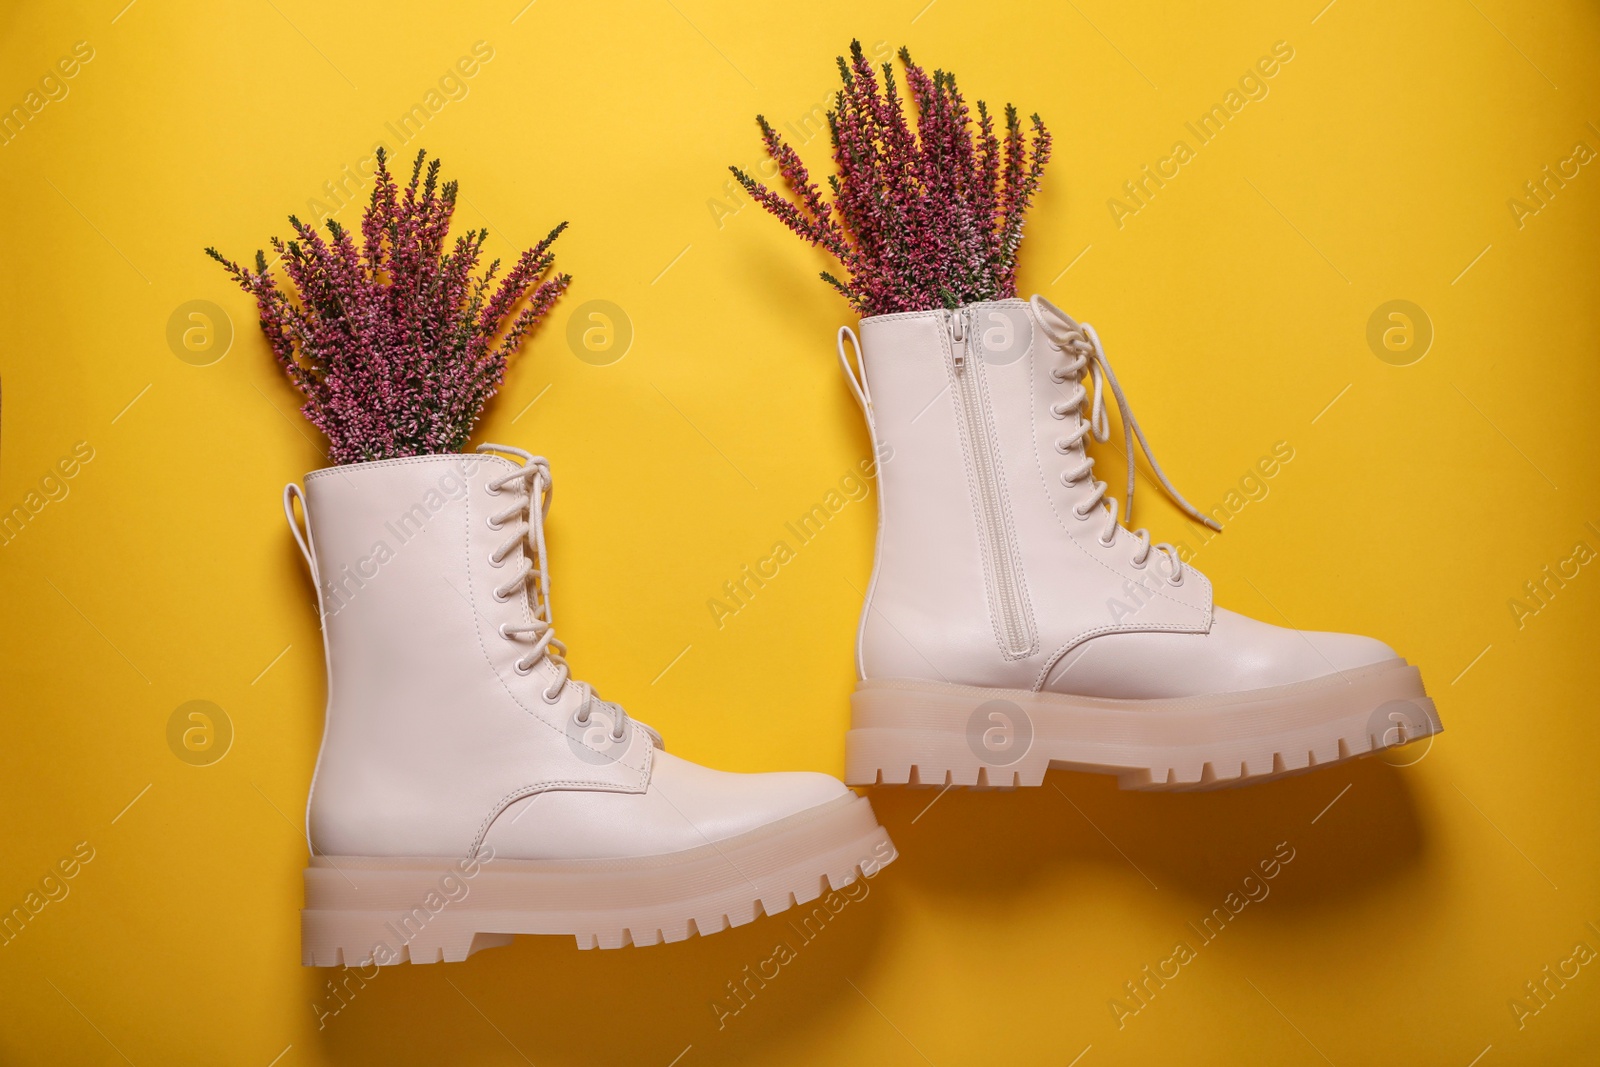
<point x="469" y="789"/>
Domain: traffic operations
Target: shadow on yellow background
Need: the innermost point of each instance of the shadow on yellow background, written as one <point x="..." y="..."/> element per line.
<point x="970" y="860"/>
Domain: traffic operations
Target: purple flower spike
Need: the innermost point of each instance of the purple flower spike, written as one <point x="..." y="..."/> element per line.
<point x="393" y="344"/>
<point x="919" y="219"/>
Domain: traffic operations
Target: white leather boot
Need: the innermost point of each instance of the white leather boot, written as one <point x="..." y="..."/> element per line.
<point x="1013" y="625"/>
<point x="469" y="789"/>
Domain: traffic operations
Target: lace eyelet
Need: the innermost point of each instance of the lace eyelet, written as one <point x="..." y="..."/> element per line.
<point x="489" y="522"/>
<point x="1141" y="563"/>
<point x="492" y="489"/>
<point x="1057" y="377"/>
<point x="1175" y="582"/>
<point x="1107" y="544"/>
<point x="522" y="668"/>
<point x="1063" y="446"/>
<point x="617" y="739"/>
<point x="550" y="698"/>
<point x="1070" y="482"/>
<point x="500" y="597"/>
<point x="496" y="562"/>
<point x="1076" y="513"/>
<point x="1056" y="413"/>
<point x="502" y="631"/>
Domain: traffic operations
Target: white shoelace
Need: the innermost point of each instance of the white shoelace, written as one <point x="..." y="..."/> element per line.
<point x="1082" y="343"/>
<point x="523" y="524"/>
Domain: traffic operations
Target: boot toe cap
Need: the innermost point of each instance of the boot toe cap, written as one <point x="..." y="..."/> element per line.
<point x="1260" y="655"/>
<point x="723" y="804"/>
<point x="1237" y="655"/>
<point x="1346" y="652"/>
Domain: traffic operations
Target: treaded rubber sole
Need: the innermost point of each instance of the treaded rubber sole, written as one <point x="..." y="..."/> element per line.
<point x="912" y="732"/>
<point x="365" y="910"/>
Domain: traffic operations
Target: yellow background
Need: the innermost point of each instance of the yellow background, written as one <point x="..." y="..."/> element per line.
<point x="1235" y="306"/>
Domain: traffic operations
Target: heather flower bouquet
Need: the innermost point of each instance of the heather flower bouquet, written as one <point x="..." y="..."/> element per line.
<point x="930" y="218"/>
<point x="397" y="343"/>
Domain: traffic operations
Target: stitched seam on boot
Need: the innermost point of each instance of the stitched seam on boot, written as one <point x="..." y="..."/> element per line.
<point x="342" y="468"/>
<point x="975" y="497"/>
<point x="1055" y="657"/>
<point x="1003" y="493"/>
<point x="522" y="792"/>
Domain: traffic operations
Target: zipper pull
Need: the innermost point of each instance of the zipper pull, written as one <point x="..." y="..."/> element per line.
<point x="958" y="339"/>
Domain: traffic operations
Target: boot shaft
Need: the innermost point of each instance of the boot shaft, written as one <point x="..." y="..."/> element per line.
<point x="433" y="725"/>
<point x="989" y="567"/>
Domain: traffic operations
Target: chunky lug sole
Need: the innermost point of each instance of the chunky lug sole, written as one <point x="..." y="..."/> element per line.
<point x="365" y="910"/>
<point x="909" y="732"/>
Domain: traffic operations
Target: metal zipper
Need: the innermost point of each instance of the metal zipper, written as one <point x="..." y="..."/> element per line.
<point x="1002" y="565"/>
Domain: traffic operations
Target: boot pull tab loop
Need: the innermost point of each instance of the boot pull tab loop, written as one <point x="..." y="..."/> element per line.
<point x="857" y="378"/>
<point x="291" y="493"/>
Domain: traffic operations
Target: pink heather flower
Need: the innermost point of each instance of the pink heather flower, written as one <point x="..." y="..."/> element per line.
<point x="393" y="344"/>
<point x="918" y="220"/>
